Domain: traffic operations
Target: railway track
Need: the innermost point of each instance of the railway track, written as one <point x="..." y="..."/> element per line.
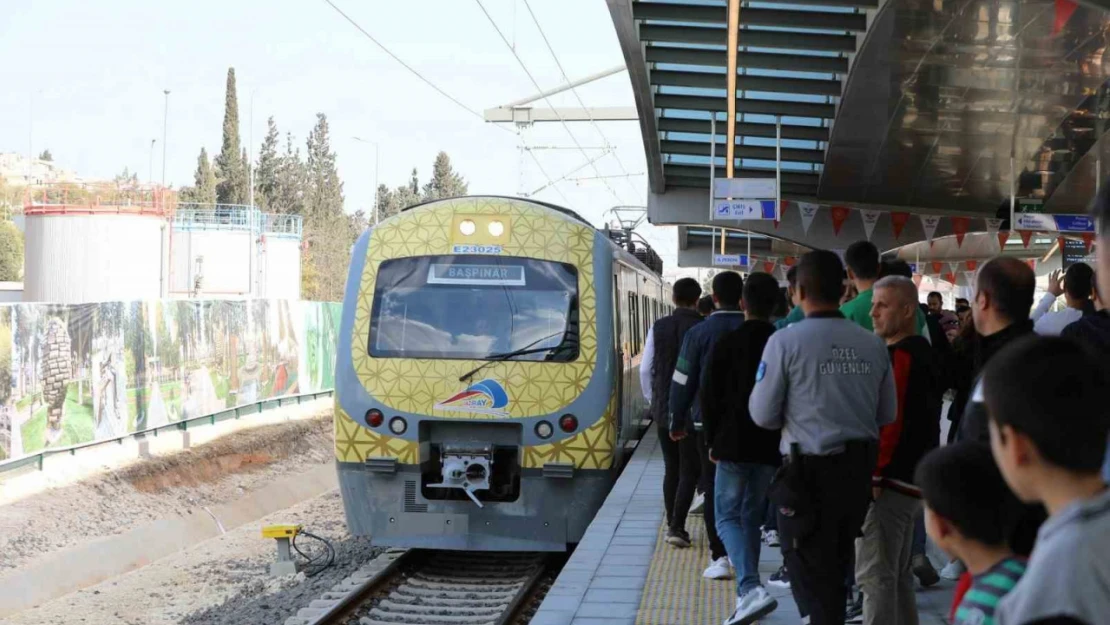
<point x="418" y="587"/>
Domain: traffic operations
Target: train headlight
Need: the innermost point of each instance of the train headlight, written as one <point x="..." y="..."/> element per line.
<point x="397" y="425"/>
<point x="467" y="227"/>
<point x="374" y="417"/>
<point x="568" y="423"/>
<point x="544" y="429"/>
<point x="496" y="228"/>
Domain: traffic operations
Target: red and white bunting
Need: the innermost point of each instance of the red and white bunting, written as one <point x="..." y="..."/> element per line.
<point x="954" y="267"/>
<point x="917" y="280"/>
<point x="993" y="226"/>
<point x="937" y="266"/>
<point x="1026" y="237"/>
<point x="970" y="277"/>
<point x="1088" y="240"/>
<point x="950" y="277"/>
<point x="839" y="216"/>
<point x="898" y="221"/>
<point x="1032" y="262"/>
<point x="959" y="228"/>
<point x="808" y="211"/>
<point x="971" y="265"/>
<point x="929" y="224"/>
<point x="790" y="261"/>
<point x="870" y="218"/>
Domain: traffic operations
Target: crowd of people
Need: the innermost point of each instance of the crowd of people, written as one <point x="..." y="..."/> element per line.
<point x="819" y="432"/>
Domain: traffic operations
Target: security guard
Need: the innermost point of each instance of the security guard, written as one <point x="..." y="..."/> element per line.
<point x="829" y="385"/>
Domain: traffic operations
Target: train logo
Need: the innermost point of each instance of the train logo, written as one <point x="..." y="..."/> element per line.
<point x="485" y="397"/>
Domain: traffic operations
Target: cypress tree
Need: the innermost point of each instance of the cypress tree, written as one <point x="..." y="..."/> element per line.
<point x="266" y="172"/>
<point x="233" y="185"/>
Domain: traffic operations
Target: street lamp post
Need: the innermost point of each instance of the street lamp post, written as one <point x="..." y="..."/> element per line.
<point x="150" y="163"/>
<point x="376" y="161"/>
<point x="165" y="129"/>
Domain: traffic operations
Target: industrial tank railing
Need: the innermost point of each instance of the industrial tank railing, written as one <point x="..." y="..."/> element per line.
<point x="193" y="216"/>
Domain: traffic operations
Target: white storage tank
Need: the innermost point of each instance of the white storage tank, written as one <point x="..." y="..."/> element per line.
<point x="94" y="248"/>
<point x="220" y="250"/>
<point x="280" y="257"/>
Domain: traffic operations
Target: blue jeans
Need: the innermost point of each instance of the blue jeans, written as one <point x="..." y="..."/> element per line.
<point x="740" y="496"/>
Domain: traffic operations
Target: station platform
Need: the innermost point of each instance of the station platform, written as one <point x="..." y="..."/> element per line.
<point x="622" y="573"/>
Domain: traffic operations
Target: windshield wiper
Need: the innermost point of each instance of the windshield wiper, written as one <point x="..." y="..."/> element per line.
<point x="527" y="349"/>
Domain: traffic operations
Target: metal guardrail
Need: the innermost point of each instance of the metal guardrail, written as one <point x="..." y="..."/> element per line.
<point x="194" y="216"/>
<point x="210" y="419"/>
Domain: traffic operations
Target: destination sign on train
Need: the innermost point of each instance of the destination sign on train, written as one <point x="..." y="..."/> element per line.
<point x="493" y="275"/>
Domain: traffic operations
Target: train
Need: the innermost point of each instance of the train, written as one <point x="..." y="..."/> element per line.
<point x="487" y="381"/>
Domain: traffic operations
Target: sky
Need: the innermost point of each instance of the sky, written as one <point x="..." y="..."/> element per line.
<point x="86" y="80"/>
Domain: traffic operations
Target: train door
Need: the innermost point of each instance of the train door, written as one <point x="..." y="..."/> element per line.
<point x="618" y="349"/>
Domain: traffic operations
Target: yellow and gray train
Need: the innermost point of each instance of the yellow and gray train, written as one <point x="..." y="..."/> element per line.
<point x="486" y="379"/>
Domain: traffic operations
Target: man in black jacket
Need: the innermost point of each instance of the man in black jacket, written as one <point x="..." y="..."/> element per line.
<point x="681" y="463"/>
<point x="1003" y="299"/>
<point x="884" y="553"/>
<point x="746" y="454"/>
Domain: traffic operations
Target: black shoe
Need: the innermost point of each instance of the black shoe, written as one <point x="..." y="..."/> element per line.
<point x="780" y="578"/>
<point x="924" y="572"/>
<point x="677" y="538"/>
<point x="854" y="613"/>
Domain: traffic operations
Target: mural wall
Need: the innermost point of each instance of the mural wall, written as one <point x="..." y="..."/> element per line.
<point x="72" y="374"/>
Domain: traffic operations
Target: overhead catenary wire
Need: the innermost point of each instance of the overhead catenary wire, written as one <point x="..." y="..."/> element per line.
<point x="435" y="87"/>
<point x="578" y="97"/>
<point x="540" y="89"/>
<point x="410" y="68"/>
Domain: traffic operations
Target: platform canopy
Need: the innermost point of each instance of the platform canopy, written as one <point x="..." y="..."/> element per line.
<point x="918" y="107"/>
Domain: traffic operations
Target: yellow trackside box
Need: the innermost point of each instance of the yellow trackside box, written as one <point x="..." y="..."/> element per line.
<point x="280" y="531"/>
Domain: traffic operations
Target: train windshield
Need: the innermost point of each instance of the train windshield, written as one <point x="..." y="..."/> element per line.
<point x="475" y="308"/>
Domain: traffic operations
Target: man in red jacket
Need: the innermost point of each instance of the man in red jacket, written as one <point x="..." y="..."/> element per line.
<point x="883" y="554"/>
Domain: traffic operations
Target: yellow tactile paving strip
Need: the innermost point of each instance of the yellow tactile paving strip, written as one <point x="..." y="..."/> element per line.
<point x="675" y="593"/>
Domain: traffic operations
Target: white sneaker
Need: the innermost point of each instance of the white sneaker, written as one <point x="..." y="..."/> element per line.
<point x="697" y="506"/>
<point x="755" y="604"/>
<point x="953" y="570"/>
<point x="718" y="569"/>
<point x="771" y="537"/>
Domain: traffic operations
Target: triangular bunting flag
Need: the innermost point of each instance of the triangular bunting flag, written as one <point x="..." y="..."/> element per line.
<point x="1064" y="9"/>
<point x="768" y="266"/>
<point x="954" y="267"/>
<point x="937" y="266"/>
<point x="870" y="218"/>
<point x="917" y="280"/>
<point x="1003" y="236"/>
<point x="971" y="265"/>
<point x="950" y="277"/>
<point x="959" y="227"/>
<point x="1061" y="242"/>
<point x="790" y="261"/>
<point x="1032" y="262"/>
<point x="808" y="211"/>
<point x="1088" y="239"/>
<point x="898" y="221"/>
<point x="1026" y="236"/>
<point x="970" y="277"/>
<point x="839" y="216"/>
<point x="929" y="223"/>
<point x="992" y="228"/>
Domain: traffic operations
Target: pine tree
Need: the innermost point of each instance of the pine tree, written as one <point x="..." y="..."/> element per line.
<point x="288" y="194"/>
<point x="246" y="161"/>
<point x="232" y="188"/>
<point x="203" y="190"/>
<point x="324" y="190"/>
<point x="327" y="230"/>
<point x="266" y="172"/>
<point x="445" y="181"/>
<point x="46" y="156"/>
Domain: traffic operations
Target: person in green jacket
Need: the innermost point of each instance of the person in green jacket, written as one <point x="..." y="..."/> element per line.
<point x="864" y="265"/>
<point x="795" y="315"/>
